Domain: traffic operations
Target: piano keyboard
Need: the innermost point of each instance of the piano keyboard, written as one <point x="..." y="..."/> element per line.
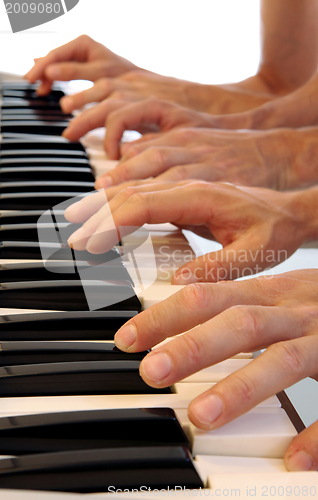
<point x="54" y="415"/>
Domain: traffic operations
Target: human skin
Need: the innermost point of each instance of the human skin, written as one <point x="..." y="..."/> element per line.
<point x="289" y="57"/>
<point x="258" y="228"/>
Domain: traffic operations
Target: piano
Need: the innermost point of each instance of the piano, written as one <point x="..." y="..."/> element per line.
<point x="85" y="385"/>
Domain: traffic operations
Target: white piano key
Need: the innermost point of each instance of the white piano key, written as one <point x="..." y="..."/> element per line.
<point x="155" y="294"/>
<point x="262" y="432"/>
<point x="208" y="465"/>
<point x="219" y="371"/>
<point x="293" y="485"/>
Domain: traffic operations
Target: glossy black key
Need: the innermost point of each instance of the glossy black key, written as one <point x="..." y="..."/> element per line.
<point x="31" y="353"/>
<point x="31" y="104"/>
<point x="27" y="216"/>
<point x="35" y="113"/>
<point x="95" y="429"/>
<point x="10" y="273"/>
<point x="92" y="471"/>
<point x="29" y="93"/>
<point x="45" y="186"/>
<point x="32" y="250"/>
<point x="35" y="200"/>
<point x="81" y="174"/>
<point x="44" y="162"/>
<point x="86" y="325"/>
<point x="35" y="127"/>
<point x="75" y="379"/>
<point x="41" y="153"/>
<point x="46" y="143"/>
<point x="69" y="295"/>
<point x="29" y="232"/>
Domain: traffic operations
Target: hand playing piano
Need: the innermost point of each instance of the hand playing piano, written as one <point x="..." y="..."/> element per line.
<point x="220" y="320"/>
<point x="82" y="58"/>
<point x="258" y="228"/>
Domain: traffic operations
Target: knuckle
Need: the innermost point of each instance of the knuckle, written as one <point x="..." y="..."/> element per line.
<point x="179" y="173"/>
<point x="194" y="349"/>
<point x="157" y="155"/>
<point x="245" y="322"/>
<point x="132" y="151"/>
<point x="125" y="194"/>
<point x="291" y="358"/>
<point x="125" y="174"/>
<point x="196" y="296"/>
<point x="118" y="95"/>
<point x="244" y="388"/>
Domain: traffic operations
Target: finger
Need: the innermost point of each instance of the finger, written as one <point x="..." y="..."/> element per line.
<point x="125" y="146"/>
<point x="150" y="163"/>
<point x="200" y="171"/>
<point x="139" y="208"/>
<point x="245" y="256"/>
<point x="284" y="363"/>
<point x="80" y="211"/>
<point x="97" y="220"/>
<point x="68" y="52"/>
<point x="100" y="91"/>
<point x="149" y="111"/>
<point x="90" y="119"/>
<point x="302" y="453"/>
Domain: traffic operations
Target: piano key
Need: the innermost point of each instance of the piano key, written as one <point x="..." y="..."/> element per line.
<point x="35" y="127"/>
<point x="35" y="200"/>
<point x="35" y="113"/>
<point x="41" y="153"/>
<point x="262" y="432"/>
<point x="93" y="471"/>
<point x="91" y="325"/>
<point x="263" y="483"/>
<point x="32" y="250"/>
<point x="44" y="143"/>
<point x="36" y="271"/>
<point x="29" y="93"/>
<point x="15" y="117"/>
<point x="86" y="430"/>
<point x="44" y="162"/>
<point x="47" y="174"/>
<point x="30" y="103"/>
<point x="75" y="378"/>
<point x="217" y="372"/>
<point x="47" y="186"/>
<point x="69" y="295"/>
<point x="38" y="352"/>
<point x="27" y="216"/>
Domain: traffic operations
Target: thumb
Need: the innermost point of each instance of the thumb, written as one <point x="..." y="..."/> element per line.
<point x="302" y="453"/>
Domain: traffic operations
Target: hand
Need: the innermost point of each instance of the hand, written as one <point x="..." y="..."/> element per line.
<point x="119" y="116"/>
<point x="82" y="58"/>
<point x="258" y="228"/>
<point x="220" y="320"/>
<point x="265" y="158"/>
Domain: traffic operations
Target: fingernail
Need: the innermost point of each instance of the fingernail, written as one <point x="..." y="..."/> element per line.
<point x="77" y="236"/>
<point x="157" y="366"/>
<point x="72" y="209"/>
<point x="207" y="409"/>
<point x="104" y="182"/>
<point x="126" y="337"/>
<point x="299" y="461"/>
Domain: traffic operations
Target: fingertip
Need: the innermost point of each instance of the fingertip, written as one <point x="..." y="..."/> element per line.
<point x="104" y="182"/>
<point x="67" y="104"/>
<point x="126" y="337"/>
<point x="205" y="410"/>
<point x="299" y="461"/>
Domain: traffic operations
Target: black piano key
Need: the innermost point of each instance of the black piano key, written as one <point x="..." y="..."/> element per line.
<point x="44" y="162"/>
<point x="32" y="250"/>
<point x="46" y="174"/>
<point x="29" y="93"/>
<point x="45" y="186"/>
<point x="95" y="429"/>
<point x="90" y="325"/>
<point x="10" y="273"/>
<point x="31" y="119"/>
<point x="69" y="295"/>
<point x="92" y="471"/>
<point x="31" y="353"/>
<point x="41" y="153"/>
<point x="35" y="200"/>
<point x="27" y="216"/>
<point x="45" y="143"/>
<point x="26" y="112"/>
<point x="75" y="379"/>
<point x="43" y="104"/>
<point x="29" y="232"/>
<point x="35" y="127"/>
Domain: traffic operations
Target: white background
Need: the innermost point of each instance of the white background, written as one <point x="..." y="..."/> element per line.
<point x="209" y="41"/>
